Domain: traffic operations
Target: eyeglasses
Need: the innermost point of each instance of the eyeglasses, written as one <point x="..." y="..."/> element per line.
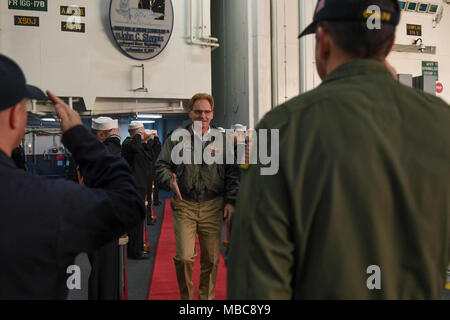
<point x="200" y="112"/>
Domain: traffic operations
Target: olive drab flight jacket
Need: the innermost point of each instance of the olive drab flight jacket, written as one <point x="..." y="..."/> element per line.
<point x="198" y="182"/>
<point x="360" y="207"/>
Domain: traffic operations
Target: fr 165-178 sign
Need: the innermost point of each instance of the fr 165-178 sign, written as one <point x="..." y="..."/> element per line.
<point x="35" y="5"/>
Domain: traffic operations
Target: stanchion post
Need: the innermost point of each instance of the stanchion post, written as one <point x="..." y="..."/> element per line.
<point x="123" y="268"/>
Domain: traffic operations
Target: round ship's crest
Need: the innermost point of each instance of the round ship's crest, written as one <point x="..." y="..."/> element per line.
<point x="141" y="28"/>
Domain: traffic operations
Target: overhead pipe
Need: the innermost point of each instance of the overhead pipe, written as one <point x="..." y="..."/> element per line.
<point x="274" y="51"/>
<point x="33" y="108"/>
<point x="192" y="39"/>
<point x="303" y="52"/>
<point x="204" y="27"/>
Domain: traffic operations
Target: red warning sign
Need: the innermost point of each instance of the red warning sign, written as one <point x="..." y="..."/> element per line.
<point x="439" y="87"/>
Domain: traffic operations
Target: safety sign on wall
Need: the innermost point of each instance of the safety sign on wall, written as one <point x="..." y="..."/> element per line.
<point x="414" y="30"/>
<point x="141" y="28"/>
<point x="72" y="11"/>
<point x="36" y="5"/>
<point x="73" y="22"/>
<point x="439" y="87"/>
<point x="73" y="27"/>
<point x="430" y="68"/>
<point x="26" y="21"/>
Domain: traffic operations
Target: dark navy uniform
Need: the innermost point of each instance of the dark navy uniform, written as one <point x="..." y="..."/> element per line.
<point x="105" y="273"/>
<point x="46" y="223"/>
<point x="139" y="158"/>
<point x="149" y="148"/>
<point x="113" y="145"/>
<point x="18" y="156"/>
<point x="156" y="150"/>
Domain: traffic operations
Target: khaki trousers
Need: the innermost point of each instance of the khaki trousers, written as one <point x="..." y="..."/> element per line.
<point x="204" y="219"/>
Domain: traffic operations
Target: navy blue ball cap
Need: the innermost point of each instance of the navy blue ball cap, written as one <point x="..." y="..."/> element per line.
<point x="350" y="10"/>
<point x="13" y="86"/>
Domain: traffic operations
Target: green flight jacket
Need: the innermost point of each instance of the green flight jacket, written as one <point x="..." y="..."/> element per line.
<point x="364" y="182"/>
<point x="198" y="182"/>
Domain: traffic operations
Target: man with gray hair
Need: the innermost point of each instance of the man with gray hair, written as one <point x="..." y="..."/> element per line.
<point x="204" y="197"/>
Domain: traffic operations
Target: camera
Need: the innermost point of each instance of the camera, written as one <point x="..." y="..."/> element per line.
<point x="422" y="48"/>
<point x="418" y="42"/>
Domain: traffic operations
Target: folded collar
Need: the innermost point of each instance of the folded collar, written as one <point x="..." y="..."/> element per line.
<point x="4" y="159"/>
<point x="358" y="67"/>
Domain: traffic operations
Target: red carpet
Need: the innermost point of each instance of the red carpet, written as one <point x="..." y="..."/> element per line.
<point x="163" y="283"/>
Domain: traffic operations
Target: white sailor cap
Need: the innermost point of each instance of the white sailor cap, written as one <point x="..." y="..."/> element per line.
<point x="104" y="124"/>
<point x="222" y="130"/>
<point x="135" y="125"/>
<point x="239" y="127"/>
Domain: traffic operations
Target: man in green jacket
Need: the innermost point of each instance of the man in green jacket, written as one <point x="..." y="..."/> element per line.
<point x="360" y="206"/>
<point x="204" y="194"/>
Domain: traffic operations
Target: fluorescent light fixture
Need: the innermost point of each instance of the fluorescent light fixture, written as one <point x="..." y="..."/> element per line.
<point x="148" y="121"/>
<point x="48" y="120"/>
<point x="149" y="116"/>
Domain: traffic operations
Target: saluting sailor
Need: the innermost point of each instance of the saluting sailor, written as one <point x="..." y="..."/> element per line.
<point x="135" y="151"/>
<point x="104" y="280"/>
<point x="62" y="218"/>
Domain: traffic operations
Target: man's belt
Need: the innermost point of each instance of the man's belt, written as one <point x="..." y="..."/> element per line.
<point x="201" y="198"/>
